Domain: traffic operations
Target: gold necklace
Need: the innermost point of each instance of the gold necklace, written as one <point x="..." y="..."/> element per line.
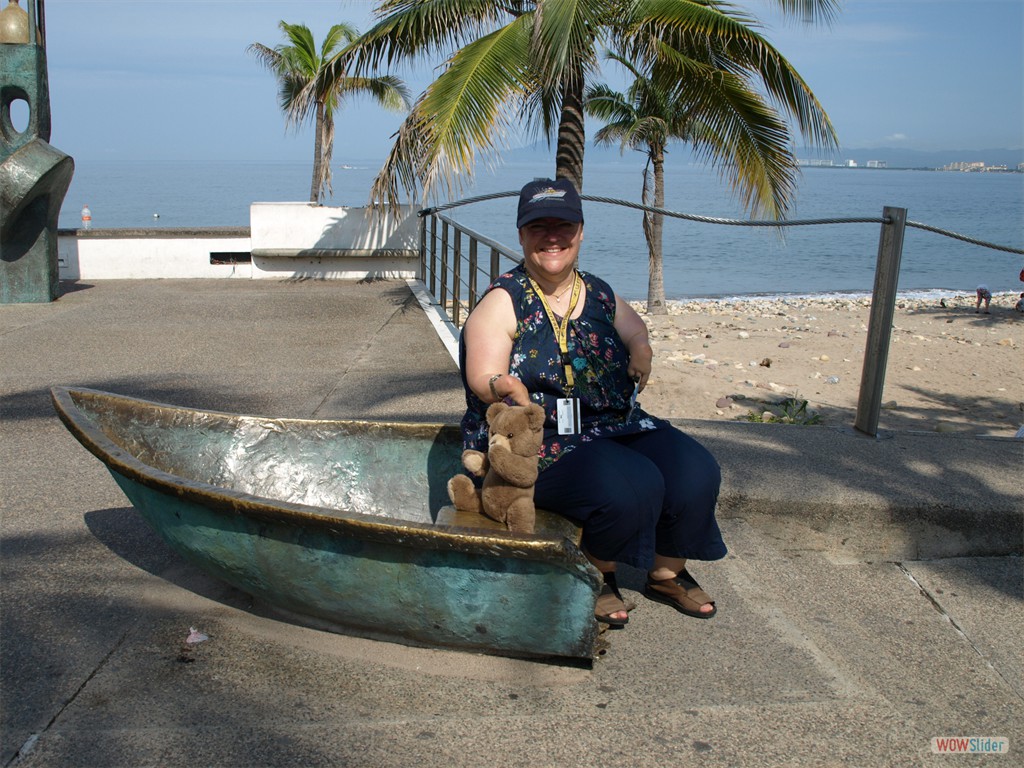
<point x="558" y="296"/>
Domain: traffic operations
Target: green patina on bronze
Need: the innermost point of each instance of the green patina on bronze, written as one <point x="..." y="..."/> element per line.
<point x="34" y="176"/>
<point x="345" y="524"/>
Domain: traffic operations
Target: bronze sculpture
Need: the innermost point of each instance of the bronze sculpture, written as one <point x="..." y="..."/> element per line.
<point x="34" y="176"/>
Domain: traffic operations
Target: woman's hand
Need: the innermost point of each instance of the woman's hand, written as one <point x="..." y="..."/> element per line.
<point x="633" y="332"/>
<point x="509" y="387"/>
<point x="641" y="359"/>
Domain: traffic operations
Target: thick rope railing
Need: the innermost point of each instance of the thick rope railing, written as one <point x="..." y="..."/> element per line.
<point x="737" y="222"/>
<point x="964" y="238"/>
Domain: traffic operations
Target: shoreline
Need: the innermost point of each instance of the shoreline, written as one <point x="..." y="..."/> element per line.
<point x="949" y="369"/>
<point x="922" y="296"/>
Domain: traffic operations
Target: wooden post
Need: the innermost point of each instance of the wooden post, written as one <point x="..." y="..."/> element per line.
<point x="883" y="307"/>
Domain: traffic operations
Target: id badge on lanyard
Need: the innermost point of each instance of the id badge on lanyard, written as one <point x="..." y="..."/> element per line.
<point x="568" y="415"/>
<point x="567" y="408"/>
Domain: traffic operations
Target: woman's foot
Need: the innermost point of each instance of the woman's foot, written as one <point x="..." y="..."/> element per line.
<point x="682" y="592"/>
<point x="610" y="608"/>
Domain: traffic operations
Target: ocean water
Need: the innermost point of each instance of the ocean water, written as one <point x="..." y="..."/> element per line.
<point x="700" y="260"/>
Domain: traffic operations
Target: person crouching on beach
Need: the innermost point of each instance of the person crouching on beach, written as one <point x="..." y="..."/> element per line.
<point x="1019" y="306"/>
<point x="545" y="332"/>
<point x="983" y="295"/>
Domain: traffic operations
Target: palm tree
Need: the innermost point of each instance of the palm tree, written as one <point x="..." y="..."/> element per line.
<point x="645" y="117"/>
<point x="305" y="91"/>
<point x="654" y="111"/>
<point x="520" y="62"/>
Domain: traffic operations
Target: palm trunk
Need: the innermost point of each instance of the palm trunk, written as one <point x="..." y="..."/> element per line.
<point x="318" y="170"/>
<point x="571" y="134"/>
<point x="653" y="226"/>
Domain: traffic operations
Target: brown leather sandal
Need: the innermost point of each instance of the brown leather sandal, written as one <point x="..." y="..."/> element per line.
<point x="683" y="593"/>
<point x="610" y="601"/>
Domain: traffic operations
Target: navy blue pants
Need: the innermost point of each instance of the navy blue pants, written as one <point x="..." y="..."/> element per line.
<point x="637" y="495"/>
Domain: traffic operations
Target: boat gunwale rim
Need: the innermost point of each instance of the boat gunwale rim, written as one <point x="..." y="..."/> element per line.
<point x="438" y="535"/>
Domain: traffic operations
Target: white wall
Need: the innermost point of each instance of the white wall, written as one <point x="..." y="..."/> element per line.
<point x="138" y="254"/>
<point x="309" y="240"/>
<point x="286" y="240"/>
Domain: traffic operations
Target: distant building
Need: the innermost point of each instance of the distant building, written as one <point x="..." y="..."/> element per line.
<point x="877" y="164"/>
<point x="965" y="167"/>
<point x="851" y="163"/>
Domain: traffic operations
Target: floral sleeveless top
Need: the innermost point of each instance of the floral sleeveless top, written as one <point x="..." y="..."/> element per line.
<point x="599" y="360"/>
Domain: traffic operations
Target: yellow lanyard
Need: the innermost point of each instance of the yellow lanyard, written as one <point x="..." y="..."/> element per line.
<point x="562" y="330"/>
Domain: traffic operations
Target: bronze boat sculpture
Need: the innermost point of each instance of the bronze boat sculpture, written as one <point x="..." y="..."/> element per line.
<point x="343" y="523"/>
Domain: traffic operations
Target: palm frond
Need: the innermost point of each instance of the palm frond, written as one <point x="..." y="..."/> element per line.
<point x="422" y="28"/>
<point x="471" y="106"/>
<point x="787" y="88"/>
<point x="811" y="11"/>
<point x="628" y="64"/>
<point x="738" y="133"/>
<point x="680" y="35"/>
<point x="340" y="35"/>
<point x="566" y="39"/>
<point x="268" y="57"/>
<point x="404" y="168"/>
<point x="387" y="90"/>
<point x="617" y="112"/>
<point x="291" y="96"/>
<point x="302" y="52"/>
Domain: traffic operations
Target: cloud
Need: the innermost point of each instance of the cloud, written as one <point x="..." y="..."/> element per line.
<point x="896" y="137"/>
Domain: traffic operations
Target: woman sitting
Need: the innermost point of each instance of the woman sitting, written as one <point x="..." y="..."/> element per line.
<point x="643" y="492"/>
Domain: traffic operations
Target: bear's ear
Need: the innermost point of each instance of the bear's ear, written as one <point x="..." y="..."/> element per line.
<point x="535" y="414"/>
<point x="495" y="410"/>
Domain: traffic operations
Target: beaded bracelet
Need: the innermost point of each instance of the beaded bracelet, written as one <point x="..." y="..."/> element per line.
<point x="490" y="383"/>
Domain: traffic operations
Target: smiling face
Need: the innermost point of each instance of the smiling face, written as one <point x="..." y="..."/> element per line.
<point x="550" y="247"/>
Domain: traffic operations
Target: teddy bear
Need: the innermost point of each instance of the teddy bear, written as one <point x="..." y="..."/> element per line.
<point x="509" y="468"/>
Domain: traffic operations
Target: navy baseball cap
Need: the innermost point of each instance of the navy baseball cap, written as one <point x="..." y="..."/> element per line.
<point x="544" y="198"/>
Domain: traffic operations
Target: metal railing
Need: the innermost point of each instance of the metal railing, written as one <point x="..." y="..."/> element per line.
<point x="451" y="274"/>
<point x="442" y="260"/>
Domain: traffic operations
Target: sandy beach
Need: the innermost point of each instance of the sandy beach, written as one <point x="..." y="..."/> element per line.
<point x="949" y="369"/>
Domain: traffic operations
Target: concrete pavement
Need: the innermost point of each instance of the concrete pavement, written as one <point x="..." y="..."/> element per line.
<point x="872" y="598"/>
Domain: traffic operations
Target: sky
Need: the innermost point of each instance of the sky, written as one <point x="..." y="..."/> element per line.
<point x="171" y="81"/>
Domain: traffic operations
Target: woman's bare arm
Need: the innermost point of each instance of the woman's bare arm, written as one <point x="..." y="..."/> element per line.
<point x="633" y="331"/>
<point x="489" y="331"/>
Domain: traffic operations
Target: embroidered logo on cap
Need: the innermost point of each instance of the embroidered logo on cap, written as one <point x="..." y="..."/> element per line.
<point x="548" y="194"/>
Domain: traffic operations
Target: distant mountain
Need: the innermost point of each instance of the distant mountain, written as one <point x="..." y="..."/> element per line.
<point x="893" y="157"/>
